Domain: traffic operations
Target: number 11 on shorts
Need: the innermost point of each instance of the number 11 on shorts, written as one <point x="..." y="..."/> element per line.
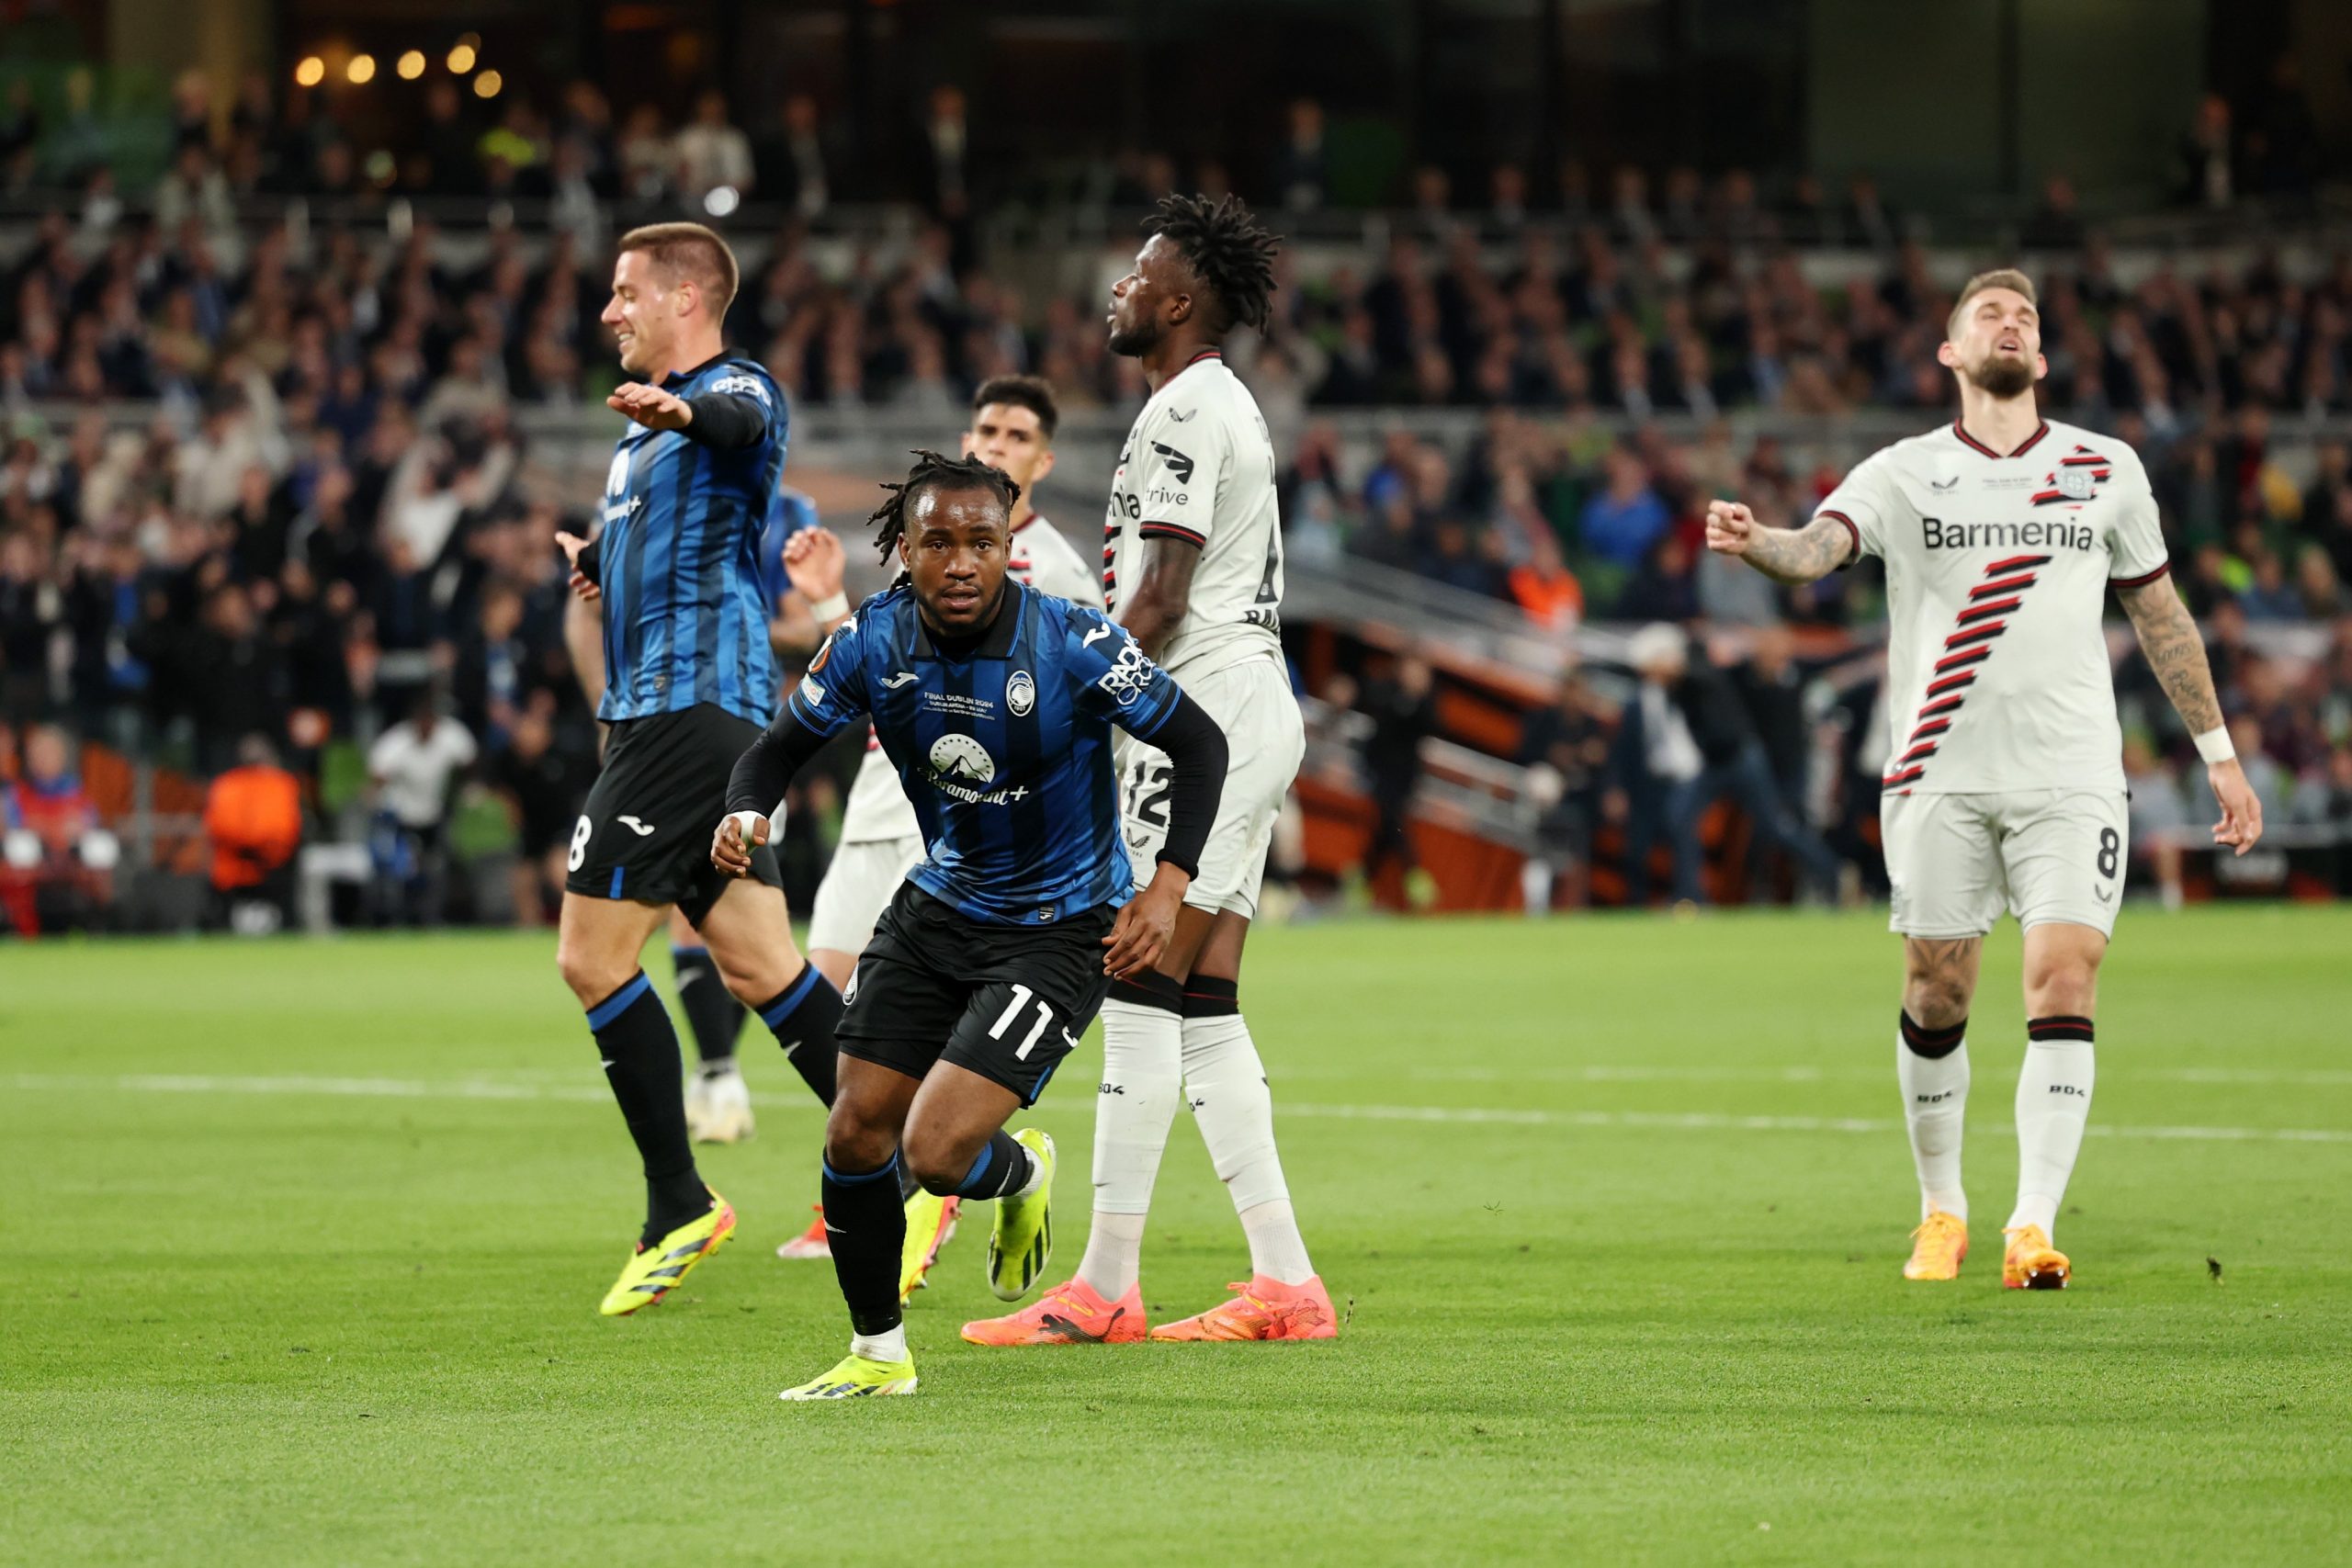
<point x="1022" y="997"/>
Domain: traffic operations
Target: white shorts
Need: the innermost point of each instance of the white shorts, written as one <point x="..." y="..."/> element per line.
<point x="1265" y="739"/>
<point x="858" y="887"/>
<point x="1957" y="860"/>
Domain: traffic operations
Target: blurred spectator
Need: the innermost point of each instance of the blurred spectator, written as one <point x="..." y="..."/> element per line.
<point x="543" y="786"/>
<point x="712" y="152"/>
<point x="796" y="170"/>
<point x="1565" y="748"/>
<point x="1625" y="517"/>
<point x="2207" y="157"/>
<point x="2161" y="828"/>
<point x="253" y="814"/>
<point x="53" y="844"/>
<point x="1299" y="171"/>
<point x="1685" y="743"/>
<point x="413" y="764"/>
<point x="1403" y="710"/>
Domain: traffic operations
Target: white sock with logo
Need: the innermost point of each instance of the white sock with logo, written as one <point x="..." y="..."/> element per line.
<point x="1142" y="1085"/>
<point x="1225" y="1082"/>
<point x="2054" y="1107"/>
<point x="1931" y="1066"/>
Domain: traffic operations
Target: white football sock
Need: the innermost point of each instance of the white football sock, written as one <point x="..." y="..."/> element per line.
<point x="1935" y="1099"/>
<point x="1226" y="1084"/>
<point x="2053" y="1105"/>
<point x="890" y="1347"/>
<point x="1142" y="1083"/>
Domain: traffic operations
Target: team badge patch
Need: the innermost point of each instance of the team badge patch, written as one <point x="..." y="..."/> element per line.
<point x="1021" y="694"/>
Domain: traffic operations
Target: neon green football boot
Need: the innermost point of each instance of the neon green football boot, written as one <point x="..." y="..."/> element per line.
<point x="1023" y="1242"/>
<point x="858" y="1377"/>
<point x="653" y="1272"/>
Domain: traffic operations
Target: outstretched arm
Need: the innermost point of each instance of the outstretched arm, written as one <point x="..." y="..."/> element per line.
<point x="2175" y="652"/>
<point x="1785" y="554"/>
<point x="1155" y="606"/>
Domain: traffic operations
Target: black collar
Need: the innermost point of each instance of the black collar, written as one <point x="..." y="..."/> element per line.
<point x="677" y="378"/>
<point x="994" y="643"/>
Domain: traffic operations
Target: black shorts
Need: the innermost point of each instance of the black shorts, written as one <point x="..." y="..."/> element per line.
<point x="1007" y="1002"/>
<point x="645" y="833"/>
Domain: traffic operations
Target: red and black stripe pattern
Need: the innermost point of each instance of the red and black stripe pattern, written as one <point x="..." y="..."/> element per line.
<point x="2079" y="476"/>
<point x="1110" y="556"/>
<point x="1981" y="622"/>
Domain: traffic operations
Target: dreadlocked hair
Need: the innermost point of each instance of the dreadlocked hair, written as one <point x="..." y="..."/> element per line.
<point x="1229" y="250"/>
<point x="932" y="471"/>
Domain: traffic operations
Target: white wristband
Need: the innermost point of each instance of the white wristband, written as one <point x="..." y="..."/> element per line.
<point x="2214" y="745"/>
<point x="827" y="608"/>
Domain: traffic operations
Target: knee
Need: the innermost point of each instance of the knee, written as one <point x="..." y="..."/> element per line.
<point x="936" y="1165"/>
<point x="855" y="1142"/>
<point x="592" y="975"/>
<point x="2066" y="983"/>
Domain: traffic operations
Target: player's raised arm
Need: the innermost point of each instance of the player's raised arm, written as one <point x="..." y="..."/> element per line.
<point x="816" y="566"/>
<point x="2175" y="649"/>
<point x="1785" y="554"/>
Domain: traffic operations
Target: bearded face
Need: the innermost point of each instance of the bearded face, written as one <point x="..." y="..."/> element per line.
<point x="2001" y="374"/>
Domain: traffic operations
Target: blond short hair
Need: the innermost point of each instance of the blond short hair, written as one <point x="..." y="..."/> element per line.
<point x="1999" y="278"/>
<point x="689" y="250"/>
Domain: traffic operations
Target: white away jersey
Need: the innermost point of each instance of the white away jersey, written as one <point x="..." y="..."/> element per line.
<point x="877" y="807"/>
<point x="1996" y="574"/>
<point x="1198" y="466"/>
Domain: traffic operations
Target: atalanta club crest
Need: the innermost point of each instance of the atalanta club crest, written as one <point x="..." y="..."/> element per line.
<point x="1021" y="694"/>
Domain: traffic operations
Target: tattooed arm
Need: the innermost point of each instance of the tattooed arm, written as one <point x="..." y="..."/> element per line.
<point x="1785" y="554"/>
<point x="2175" y="649"/>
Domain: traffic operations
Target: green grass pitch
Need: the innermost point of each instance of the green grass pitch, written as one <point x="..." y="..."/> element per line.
<point x="305" y="1240"/>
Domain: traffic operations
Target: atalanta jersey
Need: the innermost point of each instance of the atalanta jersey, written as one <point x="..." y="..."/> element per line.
<point x="1004" y="751"/>
<point x="686" y="599"/>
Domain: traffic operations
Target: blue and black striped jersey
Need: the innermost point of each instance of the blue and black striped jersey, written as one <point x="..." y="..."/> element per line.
<point x="1005" y="751"/>
<point x="686" y="599"/>
<point x="791" y="512"/>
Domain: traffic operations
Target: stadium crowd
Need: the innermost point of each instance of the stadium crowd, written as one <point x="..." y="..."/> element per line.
<point x="330" y="524"/>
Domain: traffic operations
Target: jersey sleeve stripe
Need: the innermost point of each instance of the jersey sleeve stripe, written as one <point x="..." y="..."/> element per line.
<point x="2143" y="579"/>
<point x="1173" y="531"/>
<point x="1857" y="533"/>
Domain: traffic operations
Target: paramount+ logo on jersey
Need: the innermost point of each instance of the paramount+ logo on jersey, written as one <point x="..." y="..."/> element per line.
<point x="2041" y="534"/>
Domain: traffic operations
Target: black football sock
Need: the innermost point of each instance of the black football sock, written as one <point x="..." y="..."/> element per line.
<point x="642" y="1063"/>
<point x="803" y="1017"/>
<point x="867" y="1226"/>
<point x="713" y="1015"/>
<point x="1001" y="1166"/>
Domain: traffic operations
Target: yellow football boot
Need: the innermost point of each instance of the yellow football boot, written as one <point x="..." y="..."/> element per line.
<point x="653" y="1272"/>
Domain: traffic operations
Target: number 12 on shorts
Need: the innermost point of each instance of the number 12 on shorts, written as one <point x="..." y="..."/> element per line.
<point x="1022" y="997"/>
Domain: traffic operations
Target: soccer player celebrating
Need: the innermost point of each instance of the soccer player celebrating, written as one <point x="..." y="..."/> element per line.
<point x="719" y="1103"/>
<point x="2001" y="534"/>
<point x="1013" y="419"/>
<point x="1192" y="566"/>
<point x="689" y="680"/>
<point x="995" y="703"/>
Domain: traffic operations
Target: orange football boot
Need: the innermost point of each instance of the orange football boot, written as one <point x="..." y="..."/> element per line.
<point x="1937" y="1247"/>
<point x="2031" y="1263"/>
<point x="811" y="1243"/>
<point x="1262" y="1309"/>
<point x="1071" y="1313"/>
